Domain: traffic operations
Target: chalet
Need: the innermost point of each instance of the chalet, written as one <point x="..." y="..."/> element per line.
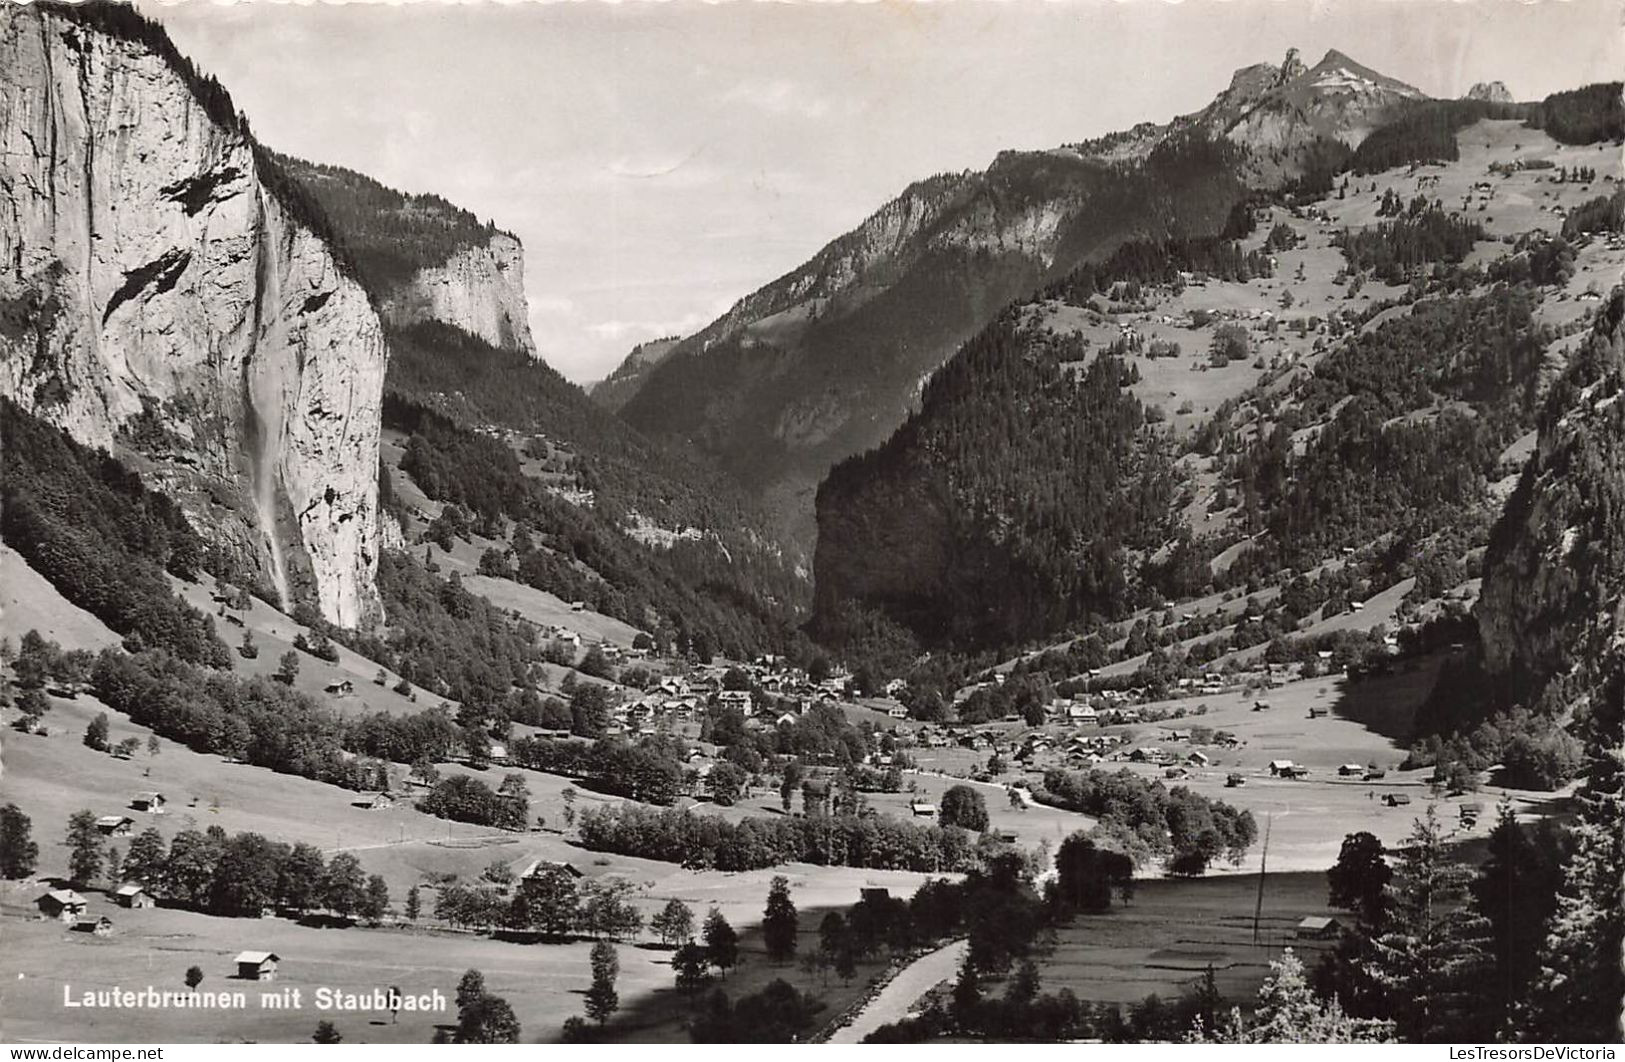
<point x="1350" y="770"/>
<point x="873" y="894"/>
<point x="115" y="825"/>
<point x="578" y="606"/>
<point x="539" y="866"/>
<point x="1007" y="836"/>
<point x="1373" y="775"/>
<point x="132" y="894"/>
<point x="786" y="719"/>
<point x="896" y="711"/>
<point x="99" y="927"/>
<point x="1081" y="714"/>
<point x="498" y="752"/>
<point x="64" y="905"/>
<point x="1470" y="814"/>
<point x="1318" y="927"/>
<point x="257" y="965"/>
<point x="380" y="801"/>
<point x="896" y="686"/>
<point x="1198" y="758"/>
<point x="1395" y="800"/>
<point x="735" y="699"/>
<point x="342" y="688"/>
<point x="1149" y="754"/>
<point x="922" y="810"/>
<point x="152" y="803"/>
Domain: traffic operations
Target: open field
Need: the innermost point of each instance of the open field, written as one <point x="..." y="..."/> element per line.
<point x="1173" y="930"/>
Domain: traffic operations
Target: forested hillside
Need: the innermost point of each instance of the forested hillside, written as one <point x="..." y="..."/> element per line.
<point x="390" y="234"/>
<point x="1009" y="506"/>
<point x="1384" y="402"/>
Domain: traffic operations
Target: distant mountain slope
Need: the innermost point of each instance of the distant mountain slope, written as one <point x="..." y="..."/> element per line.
<point x="1317" y="417"/>
<point x="616" y="389"/>
<point x="827" y="360"/>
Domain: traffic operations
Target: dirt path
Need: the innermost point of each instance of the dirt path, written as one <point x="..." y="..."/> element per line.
<point x="903" y="991"/>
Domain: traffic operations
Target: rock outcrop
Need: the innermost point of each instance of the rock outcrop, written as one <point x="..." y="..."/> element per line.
<point x="480" y="289"/>
<point x="165" y="292"/>
<point x="1489" y="92"/>
<point x="1553" y="602"/>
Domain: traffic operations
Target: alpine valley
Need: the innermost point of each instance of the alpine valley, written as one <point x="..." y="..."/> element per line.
<point x="1096" y="598"/>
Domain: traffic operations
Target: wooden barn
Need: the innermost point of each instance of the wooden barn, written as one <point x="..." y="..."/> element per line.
<point x="257" y="965"/>
<point x="133" y="895"/>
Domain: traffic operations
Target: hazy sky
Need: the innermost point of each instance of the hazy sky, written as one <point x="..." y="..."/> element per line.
<point x="660" y="160"/>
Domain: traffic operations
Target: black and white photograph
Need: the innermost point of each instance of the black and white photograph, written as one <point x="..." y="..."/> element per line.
<point x="661" y="522"/>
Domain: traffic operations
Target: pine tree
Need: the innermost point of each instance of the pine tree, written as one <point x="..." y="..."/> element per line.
<point x="721" y="942"/>
<point x="1288" y="1012"/>
<point x="1515" y="892"/>
<point x="84" y="848"/>
<point x="1431" y="957"/>
<point x="779" y="920"/>
<point x="601" y="998"/>
<point x="414" y="904"/>
<point x="18" y="850"/>
<point x="1577" y="994"/>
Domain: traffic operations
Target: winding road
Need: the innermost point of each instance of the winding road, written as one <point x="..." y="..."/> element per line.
<point x="903" y="991"/>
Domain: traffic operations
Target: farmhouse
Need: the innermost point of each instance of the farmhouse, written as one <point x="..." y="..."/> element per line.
<point x="1282" y="767"/>
<point x="342" y="688"/>
<point x="897" y="711"/>
<point x="874" y="894"/>
<point x="1318" y="927"/>
<point x="64" y="905"/>
<point x="1348" y="769"/>
<point x="1395" y="800"/>
<point x="133" y="895"/>
<point x="923" y="810"/>
<point x="1198" y="758"/>
<point x="380" y="801"/>
<point x="1080" y="714"/>
<point x="100" y="927"/>
<point x="257" y="965"/>
<point x="115" y="825"/>
<point x="149" y="802"/>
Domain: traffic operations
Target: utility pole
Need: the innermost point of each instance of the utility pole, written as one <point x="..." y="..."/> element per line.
<point x="1263" y="864"/>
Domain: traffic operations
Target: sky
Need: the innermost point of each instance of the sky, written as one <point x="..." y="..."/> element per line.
<point x="660" y="160"/>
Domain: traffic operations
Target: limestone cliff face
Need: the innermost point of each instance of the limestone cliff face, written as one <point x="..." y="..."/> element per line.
<point x="1553" y="602"/>
<point x="160" y="295"/>
<point x="481" y="290"/>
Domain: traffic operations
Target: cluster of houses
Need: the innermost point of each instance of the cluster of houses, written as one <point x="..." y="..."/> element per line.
<point x="70" y="908"/>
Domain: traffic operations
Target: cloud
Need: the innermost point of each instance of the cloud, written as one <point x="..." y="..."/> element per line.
<point x="553" y="305"/>
<point x="780" y="97"/>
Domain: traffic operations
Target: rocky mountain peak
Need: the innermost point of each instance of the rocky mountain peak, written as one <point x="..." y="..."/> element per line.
<point x="1490" y="92"/>
<point x="1291" y="67"/>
